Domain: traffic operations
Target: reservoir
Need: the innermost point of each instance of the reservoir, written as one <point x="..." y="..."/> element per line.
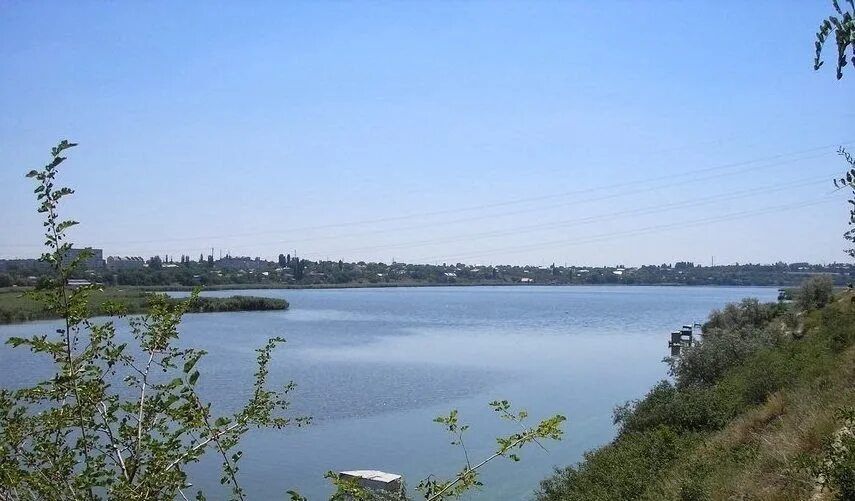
<point x="374" y="367"/>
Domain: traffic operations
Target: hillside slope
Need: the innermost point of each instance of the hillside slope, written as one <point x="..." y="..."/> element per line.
<point x="760" y="410"/>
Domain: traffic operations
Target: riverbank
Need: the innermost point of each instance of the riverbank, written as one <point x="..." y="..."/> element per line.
<point x="750" y="414"/>
<point x="15" y="307"/>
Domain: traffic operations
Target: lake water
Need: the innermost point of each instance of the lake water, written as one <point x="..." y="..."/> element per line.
<point x="375" y="366"/>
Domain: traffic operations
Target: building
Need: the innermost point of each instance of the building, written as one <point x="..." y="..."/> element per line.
<point x="95" y="260"/>
<point x="23" y="266"/>
<point x="76" y="282"/>
<point x="119" y="263"/>
<point x="244" y="263"/>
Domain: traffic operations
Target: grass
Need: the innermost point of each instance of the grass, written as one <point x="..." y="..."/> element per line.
<point x="16" y="308"/>
<point x="760" y="454"/>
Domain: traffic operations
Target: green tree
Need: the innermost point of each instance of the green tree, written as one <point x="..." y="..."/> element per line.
<point x="842" y="26"/>
<point x="155" y="263"/>
<point x="77" y="435"/>
<point x="815" y="293"/>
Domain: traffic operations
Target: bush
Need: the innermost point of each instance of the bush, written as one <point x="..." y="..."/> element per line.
<point x="748" y="313"/>
<point x="815" y="293"/>
<point x="765" y="373"/>
<point x="838" y="325"/>
<point x="706" y="362"/>
<point x="836" y="465"/>
<point x="680" y="410"/>
<point x="622" y="470"/>
<point x="237" y="303"/>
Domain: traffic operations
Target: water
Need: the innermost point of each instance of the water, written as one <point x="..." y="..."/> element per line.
<point x="375" y="366"/>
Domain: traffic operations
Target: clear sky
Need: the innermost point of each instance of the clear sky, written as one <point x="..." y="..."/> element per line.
<point x="595" y="133"/>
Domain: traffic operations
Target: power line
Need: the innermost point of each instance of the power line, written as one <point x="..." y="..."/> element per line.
<point x="473" y="208"/>
<point x="448" y="222"/>
<point x="599" y="217"/>
<point x="636" y="232"/>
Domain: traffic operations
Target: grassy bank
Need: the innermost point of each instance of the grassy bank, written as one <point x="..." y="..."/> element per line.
<point x="752" y="413"/>
<point x="15" y="307"/>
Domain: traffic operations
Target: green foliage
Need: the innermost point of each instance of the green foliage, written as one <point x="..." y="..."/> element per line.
<point x="435" y="489"/>
<point x="236" y="303"/>
<point x="848" y="180"/>
<point x="78" y="434"/>
<point x="842" y="26"/>
<point x="745" y="315"/>
<point x="835" y="466"/>
<point x="730" y="335"/>
<point x="621" y="470"/>
<point x="694" y="409"/>
<point x="838" y="325"/>
<point x="815" y="293"/>
<point x="15" y="307"/>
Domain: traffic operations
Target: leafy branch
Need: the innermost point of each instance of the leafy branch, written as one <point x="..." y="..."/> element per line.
<point x="843" y="27"/>
<point x="467" y="478"/>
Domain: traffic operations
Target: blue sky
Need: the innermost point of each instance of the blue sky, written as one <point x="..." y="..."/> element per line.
<point x="595" y="133"/>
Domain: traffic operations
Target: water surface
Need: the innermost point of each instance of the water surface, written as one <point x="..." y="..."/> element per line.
<point x="375" y="366"/>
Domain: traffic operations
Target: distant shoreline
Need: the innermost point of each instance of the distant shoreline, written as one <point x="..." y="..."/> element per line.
<point x="239" y="287"/>
<point x="265" y="286"/>
<point x="15" y="308"/>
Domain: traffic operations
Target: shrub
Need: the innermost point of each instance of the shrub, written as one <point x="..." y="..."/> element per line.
<point x="838" y="324"/>
<point x="836" y="466"/>
<point x="680" y="410"/>
<point x="748" y="313"/>
<point x="706" y="362"/>
<point x="730" y="336"/>
<point x="622" y="470"/>
<point x="815" y="293"/>
<point x="765" y="373"/>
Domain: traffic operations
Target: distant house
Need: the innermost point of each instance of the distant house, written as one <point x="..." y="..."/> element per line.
<point x="23" y="265"/>
<point x="119" y="263"/>
<point x="95" y="260"/>
<point x="243" y="263"/>
<point x="527" y="280"/>
<point x="451" y="274"/>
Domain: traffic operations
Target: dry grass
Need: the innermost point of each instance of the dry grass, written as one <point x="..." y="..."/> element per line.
<point x="757" y="456"/>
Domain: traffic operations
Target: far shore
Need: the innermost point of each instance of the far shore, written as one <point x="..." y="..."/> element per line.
<point x="17" y="307"/>
<point x="384" y="285"/>
<point x="262" y="286"/>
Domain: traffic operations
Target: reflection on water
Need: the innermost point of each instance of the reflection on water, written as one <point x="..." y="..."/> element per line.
<point x="375" y="366"/>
